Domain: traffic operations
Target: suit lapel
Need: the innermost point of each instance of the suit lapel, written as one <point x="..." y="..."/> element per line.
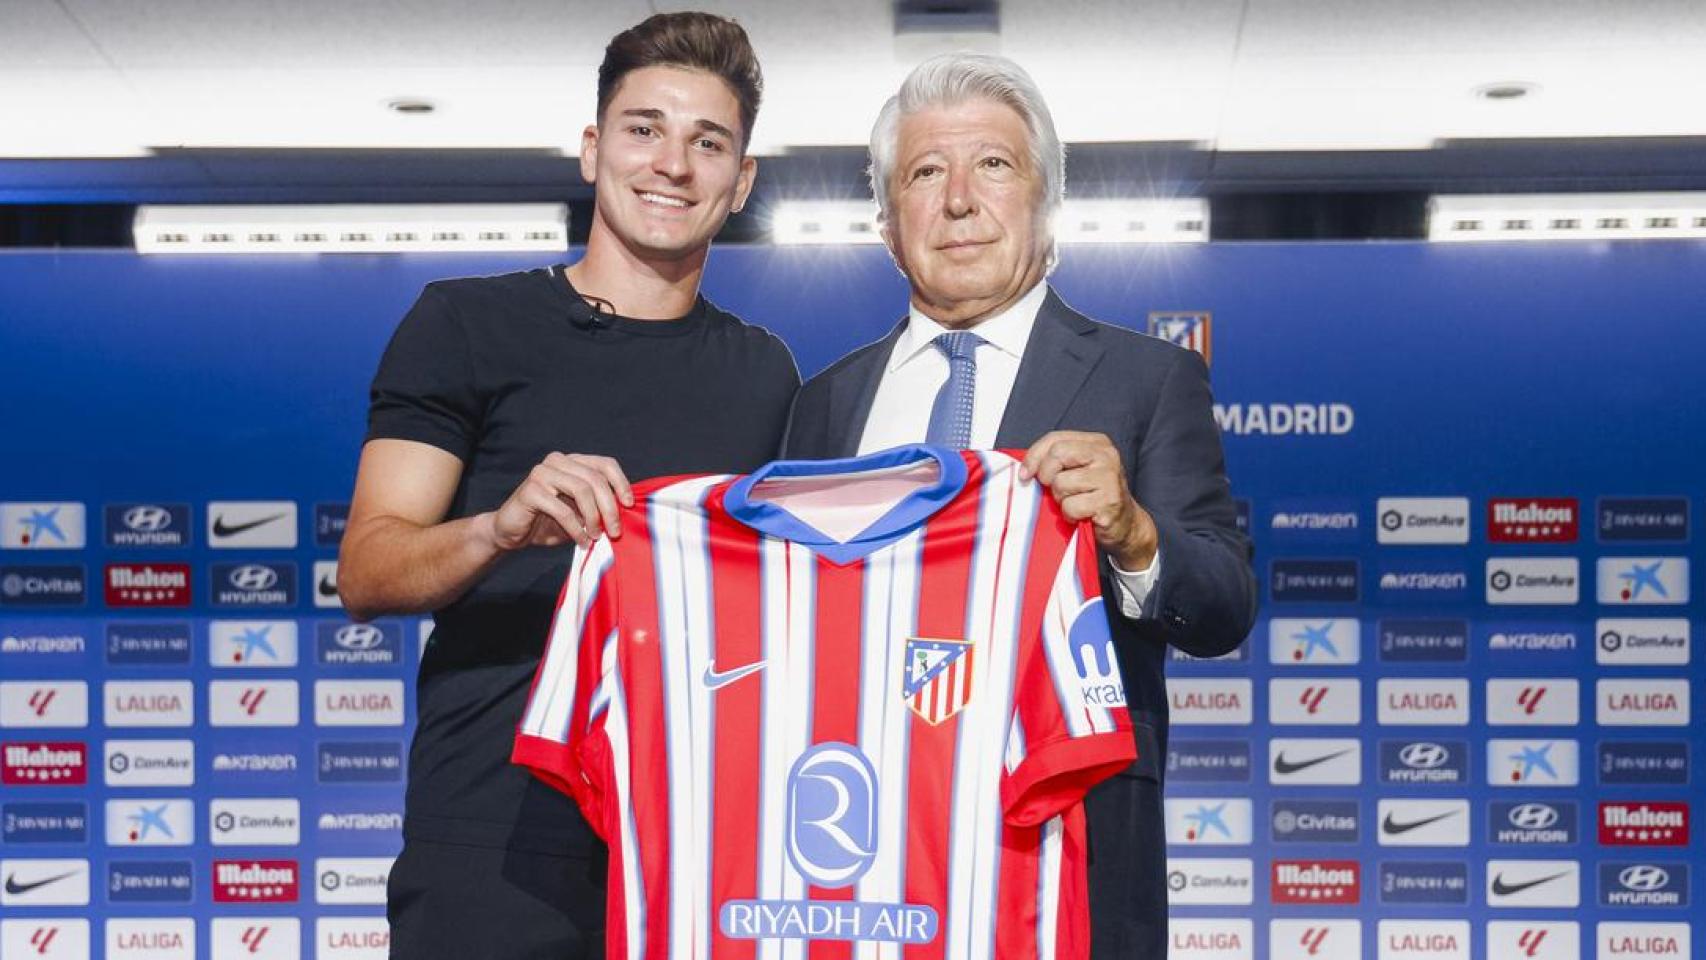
<point x="852" y="392"/>
<point x="1058" y="359"/>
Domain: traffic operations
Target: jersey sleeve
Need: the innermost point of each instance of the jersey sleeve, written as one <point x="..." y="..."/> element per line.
<point x="1069" y="729"/>
<point x="563" y="724"/>
<point x="425" y="388"/>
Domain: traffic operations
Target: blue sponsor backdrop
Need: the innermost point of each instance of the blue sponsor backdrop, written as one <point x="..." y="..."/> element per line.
<point x="1346" y="374"/>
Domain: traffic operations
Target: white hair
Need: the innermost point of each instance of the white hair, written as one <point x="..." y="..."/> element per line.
<point x="953" y="78"/>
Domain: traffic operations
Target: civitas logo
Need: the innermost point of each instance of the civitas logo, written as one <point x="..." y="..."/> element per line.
<point x="1533" y="520"/>
<point x="148" y="584"/>
<point x="1643" y="824"/>
<point x="1534" y="940"/>
<point x="1314" y="939"/>
<point x="1316" y="881"/>
<point x="36" y="764"/>
<point x="1644" y="941"/>
<point x="42" y="586"/>
<point x="1424" y="940"/>
<point x="255" y="881"/>
<point x="1210" y="939"/>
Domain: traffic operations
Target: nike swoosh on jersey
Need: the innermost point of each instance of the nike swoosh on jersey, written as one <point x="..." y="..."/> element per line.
<point x="1502" y="889"/>
<point x="221" y="530"/>
<point x="715" y="680"/>
<point x="14" y="887"/>
<point x="1393" y="827"/>
<point x="1284" y="766"/>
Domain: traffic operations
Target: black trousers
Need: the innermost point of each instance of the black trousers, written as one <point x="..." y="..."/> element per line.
<point x="451" y="901"/>
<point x="1126" y="838"/>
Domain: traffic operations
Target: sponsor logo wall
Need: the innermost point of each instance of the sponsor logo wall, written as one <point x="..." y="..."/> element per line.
<point x="1463" y="727"/>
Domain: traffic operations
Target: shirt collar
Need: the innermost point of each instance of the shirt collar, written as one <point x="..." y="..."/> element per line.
<point x="1007" y="331"/>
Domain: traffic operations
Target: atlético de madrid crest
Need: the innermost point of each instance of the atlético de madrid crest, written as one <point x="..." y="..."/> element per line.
<point x="938" y="676"/>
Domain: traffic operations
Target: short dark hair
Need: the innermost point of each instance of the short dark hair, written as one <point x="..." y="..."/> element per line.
<point x="694" y="41"/>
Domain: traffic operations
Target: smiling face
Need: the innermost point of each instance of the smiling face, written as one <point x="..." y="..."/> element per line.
<point x="965" y="211"/>
<point x="666" y="161"/>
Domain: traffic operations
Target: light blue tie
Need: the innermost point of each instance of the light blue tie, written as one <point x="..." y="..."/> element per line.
<point x="950" y="415"/>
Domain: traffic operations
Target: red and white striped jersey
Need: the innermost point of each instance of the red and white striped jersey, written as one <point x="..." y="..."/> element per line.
<point x="836" y="709"/>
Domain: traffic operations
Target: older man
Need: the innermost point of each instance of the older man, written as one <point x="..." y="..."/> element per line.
<point x="968" y="172"/>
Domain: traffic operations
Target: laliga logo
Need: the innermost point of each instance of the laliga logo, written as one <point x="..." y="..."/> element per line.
<point x="359" y="636"/>
<point x="254" y="577"/>
<point x="832" y="814"/>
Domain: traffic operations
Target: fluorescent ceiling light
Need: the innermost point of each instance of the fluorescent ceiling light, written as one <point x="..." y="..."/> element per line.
<point x="1567" y="216"/>
<point x="1185" y="220"/>
<point x="1177" y="220"/>
<point x="349" y="228"/>
<point x="818" y="222"/>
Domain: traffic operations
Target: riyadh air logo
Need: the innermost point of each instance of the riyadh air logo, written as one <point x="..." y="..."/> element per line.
<point x="1188" y="329"/>
<point x="1092" y="647"/>
<point x="42" y="526"/>
<point x="938" y="679"/>
<point x="1643" y="580"/>
<point x="1535" y="763"/>
<point x="1325" y="641"/>
<point x="832" y="815"/>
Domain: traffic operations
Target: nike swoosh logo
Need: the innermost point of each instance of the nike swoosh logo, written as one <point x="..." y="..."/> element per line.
<point x="715" y="680"/>
<point x="1283" y="766"/>
<point x="15" y="888"/>
<point x="1502" y="889"/>
<point x="327" y="587"/>
<point x="221" y="530"/>
<point x="1393" y="827"/>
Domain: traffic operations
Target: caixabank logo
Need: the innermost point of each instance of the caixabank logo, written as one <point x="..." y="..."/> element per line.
<point x="1319" y="882"/>
<point x="1638" y="581"/>
<point x="1533" y="763"/>
<point x="1314" y="641"/>
<point x="1208" y="821"/>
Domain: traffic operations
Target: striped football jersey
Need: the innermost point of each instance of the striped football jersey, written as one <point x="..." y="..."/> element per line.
<point x="836" y="709"/>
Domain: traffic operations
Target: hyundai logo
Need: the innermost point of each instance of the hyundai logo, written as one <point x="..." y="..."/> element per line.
<point x="1643" y="878"/>
<point x="147" y="518"/>
<point x="1533" y="816"/>
<point x="359" y="636"/>
<point x="253" y="576"/>
<point x="1423" y="756"/>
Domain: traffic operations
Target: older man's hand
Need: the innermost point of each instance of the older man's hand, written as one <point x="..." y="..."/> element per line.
<point x="1084" y="473"/>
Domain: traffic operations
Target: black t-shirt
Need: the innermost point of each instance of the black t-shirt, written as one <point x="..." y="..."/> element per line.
<point x="502" y="371"/>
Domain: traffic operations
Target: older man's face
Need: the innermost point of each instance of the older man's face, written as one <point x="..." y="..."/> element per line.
<point x="963" y="219"/>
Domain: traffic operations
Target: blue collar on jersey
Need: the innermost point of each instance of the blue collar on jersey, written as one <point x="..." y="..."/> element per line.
<point x="901" y="519"/>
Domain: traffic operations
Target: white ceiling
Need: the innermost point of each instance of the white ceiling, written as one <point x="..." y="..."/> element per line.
<point x="88" y="78"/>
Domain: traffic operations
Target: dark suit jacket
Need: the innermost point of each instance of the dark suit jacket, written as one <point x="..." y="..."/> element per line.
<point x="1152" y="399"/>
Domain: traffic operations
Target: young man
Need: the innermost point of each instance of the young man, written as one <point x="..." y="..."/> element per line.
<point x="507" y="415"/>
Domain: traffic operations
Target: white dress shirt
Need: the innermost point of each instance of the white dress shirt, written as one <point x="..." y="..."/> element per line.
<point x="916" y="371"/>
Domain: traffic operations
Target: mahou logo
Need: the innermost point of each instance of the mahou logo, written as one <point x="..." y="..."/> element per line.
<point x="1316" y="881"/>
<point x="255" y="881"/>
<point x="1645" y="824"/>
<point x="148" y="585"/>
<point x="38" y="764"/>
<point x="1533" y="520"/>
